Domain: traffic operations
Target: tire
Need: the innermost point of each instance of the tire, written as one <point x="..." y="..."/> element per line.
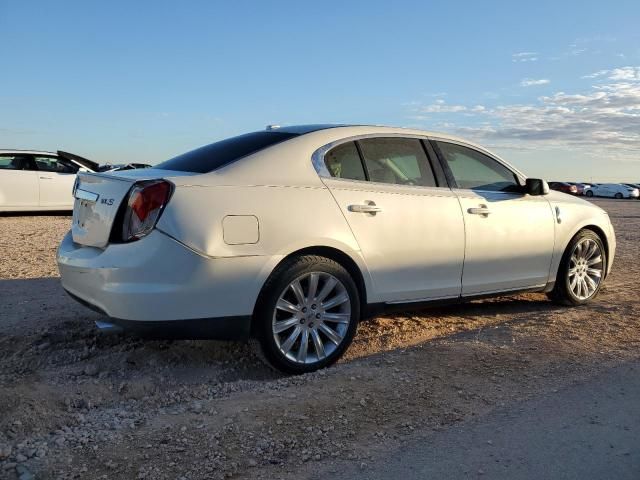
<point x="618" y="195"/>
<point x="589" y="193"/>
<point x="286" y="315"/>
<point x="577" y="272"/>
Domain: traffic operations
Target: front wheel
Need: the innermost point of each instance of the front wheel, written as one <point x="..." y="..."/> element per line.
<point x="618" y="195"/>
<point x="589" y="193"/>
<point x="307" y="314"/>
<point x="581" y="270"/>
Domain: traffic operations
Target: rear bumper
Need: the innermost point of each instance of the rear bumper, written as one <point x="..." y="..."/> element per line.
<point x="158" y="285"/>
<point x="221" y="328"/>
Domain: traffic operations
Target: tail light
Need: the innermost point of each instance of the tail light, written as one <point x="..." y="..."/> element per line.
<point x="144" y="206"/>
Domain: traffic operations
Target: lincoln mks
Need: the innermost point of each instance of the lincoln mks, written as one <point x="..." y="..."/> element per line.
<point x="290" y="236"/>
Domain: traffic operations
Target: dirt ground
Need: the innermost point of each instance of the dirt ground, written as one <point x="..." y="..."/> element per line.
<point x="75" y="404"/>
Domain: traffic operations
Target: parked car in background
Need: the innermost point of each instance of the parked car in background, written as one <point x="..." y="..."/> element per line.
<point x="564" y="187"/>
<point x="613" y="190"/>
<point x="36" y="180"/>
<point x="633" y="185"/>
<point x="309" y="229"/>
<point x="580" y="187"/>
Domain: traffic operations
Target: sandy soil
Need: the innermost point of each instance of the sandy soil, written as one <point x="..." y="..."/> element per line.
<point x="74" y="404"/>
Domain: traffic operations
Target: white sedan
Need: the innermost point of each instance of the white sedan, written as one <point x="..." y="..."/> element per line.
<point x="613" y="190"/>
<point x="33" y="180"/>
<point x="291" y="236"/>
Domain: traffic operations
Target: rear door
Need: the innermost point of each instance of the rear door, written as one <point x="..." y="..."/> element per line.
<point x="56" y="177"/>
<point x="509" y="235"/>
<point x="609" y="189"/>
<point x="408" y="226"/>
<point x="18" y="181"/>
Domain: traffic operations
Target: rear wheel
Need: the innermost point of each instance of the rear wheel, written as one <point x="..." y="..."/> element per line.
<point x="581" y="271"/>
<point x="307" y="314"/>
<point x="618" y="195"/>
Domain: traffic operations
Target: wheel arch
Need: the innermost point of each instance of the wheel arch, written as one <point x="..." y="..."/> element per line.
<point x="335" y="254"/>
<point x="601" y="234"/>
<point x="603" y="238"/>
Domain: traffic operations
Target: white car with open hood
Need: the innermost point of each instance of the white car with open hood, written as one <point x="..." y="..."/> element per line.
<point x="32" y="180"/>
<point x="292" y="235"/>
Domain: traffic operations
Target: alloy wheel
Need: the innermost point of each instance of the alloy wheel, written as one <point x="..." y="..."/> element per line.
<point x="311" y="317"/>
<point x="586" y="267"/>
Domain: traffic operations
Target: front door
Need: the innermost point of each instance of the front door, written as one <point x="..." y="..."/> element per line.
<point x="410" y="231"/>
<point x="509" y="235"/>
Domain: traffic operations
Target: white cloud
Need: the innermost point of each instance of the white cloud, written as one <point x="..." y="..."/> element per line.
<point x="439" y="106"/>
<point x="625" y="73"/>
<point x="599" y="73"/>
<point x="524" y="57"/>
<point x="603" y="120"/>
<point x="622" y="73"/>
<point x="530" y="82"/>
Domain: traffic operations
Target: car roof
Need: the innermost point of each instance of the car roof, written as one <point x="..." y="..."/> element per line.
<point x="302" y="129"/>
<point x="346" y="130"/>
<point x="375" y="129"/>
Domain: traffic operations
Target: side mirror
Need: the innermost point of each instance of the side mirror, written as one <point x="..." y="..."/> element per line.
<point x="536" y="186"/>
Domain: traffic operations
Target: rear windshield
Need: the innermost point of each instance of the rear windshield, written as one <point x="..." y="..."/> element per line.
<point x="211" y="157"/>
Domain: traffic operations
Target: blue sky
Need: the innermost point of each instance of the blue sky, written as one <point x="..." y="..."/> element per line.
<point x="554" y="87"/>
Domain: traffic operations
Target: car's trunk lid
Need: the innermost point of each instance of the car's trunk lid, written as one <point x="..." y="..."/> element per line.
<point x="98" y="198"/>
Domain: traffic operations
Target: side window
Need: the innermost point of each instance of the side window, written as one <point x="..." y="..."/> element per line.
<point x="397" y="160"/>
<point x="343" y="161"/>
<point x="477" y="171"/>
<point x="57" y="165"/>
<point x="16" y="162"/>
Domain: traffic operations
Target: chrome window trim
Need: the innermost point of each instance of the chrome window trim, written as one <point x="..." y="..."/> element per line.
<point x="462" y="192"/>
<point x="317" y="157"/>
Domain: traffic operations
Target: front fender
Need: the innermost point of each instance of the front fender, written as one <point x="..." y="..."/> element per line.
<point x="573" y="217"/>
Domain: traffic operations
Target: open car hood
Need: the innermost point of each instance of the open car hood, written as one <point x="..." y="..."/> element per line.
<point x="93" y="166"/>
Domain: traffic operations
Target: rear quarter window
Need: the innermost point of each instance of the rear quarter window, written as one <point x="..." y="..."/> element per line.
<point x="216" y="155"/>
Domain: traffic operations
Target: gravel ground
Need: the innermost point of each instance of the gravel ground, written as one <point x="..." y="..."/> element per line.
<point x="75" y="404"/>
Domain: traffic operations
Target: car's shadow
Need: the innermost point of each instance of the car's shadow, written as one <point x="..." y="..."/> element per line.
<point x="36" y="312"/>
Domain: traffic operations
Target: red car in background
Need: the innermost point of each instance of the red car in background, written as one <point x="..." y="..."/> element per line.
<point x="580" y="186"/>
<point x="564" y="187"/>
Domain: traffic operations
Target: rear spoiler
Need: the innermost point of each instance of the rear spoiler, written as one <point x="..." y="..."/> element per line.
<point x="93" y="166"/>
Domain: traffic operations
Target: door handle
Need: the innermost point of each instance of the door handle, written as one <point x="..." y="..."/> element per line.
<point x="481" y="210"/>
<point x="368" y="207"/>
<point x="46" y="178"/>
